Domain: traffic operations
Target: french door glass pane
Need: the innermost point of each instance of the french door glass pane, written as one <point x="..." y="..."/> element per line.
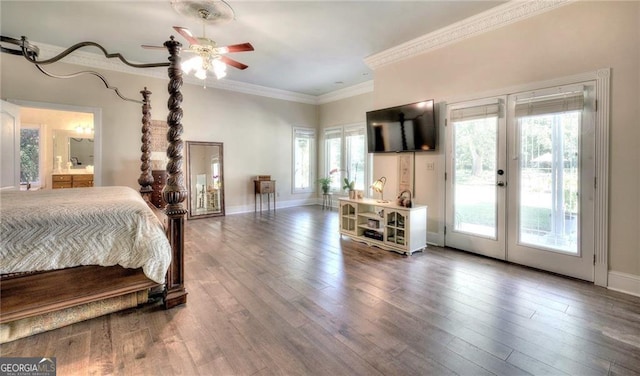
<point x="474" y="184"/>
<point x="549" y="155"/>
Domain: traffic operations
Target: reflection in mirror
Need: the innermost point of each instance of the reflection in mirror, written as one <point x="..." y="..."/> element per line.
<point x="80" y="152"/>
<point x="69" y="146"/>
<point x="204" y="179"/>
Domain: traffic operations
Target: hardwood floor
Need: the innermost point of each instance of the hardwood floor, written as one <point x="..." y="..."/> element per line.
<point x="282" y="294"/>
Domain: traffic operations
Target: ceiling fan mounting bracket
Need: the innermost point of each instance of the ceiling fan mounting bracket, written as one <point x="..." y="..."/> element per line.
<point x="214" y="12"/>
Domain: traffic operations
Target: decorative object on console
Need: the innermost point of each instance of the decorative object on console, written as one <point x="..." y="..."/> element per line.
<point x="378" y="186"/>
<point x="350" y="186"/>
<point x="405" y="171"/>
<point x="404" y="199"/>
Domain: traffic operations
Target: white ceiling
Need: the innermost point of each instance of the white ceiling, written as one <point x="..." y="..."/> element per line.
<point x="308" y="47"/>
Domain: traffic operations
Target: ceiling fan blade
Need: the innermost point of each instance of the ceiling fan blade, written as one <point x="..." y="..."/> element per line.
<point x="186" y="34"/>
<point x="153" y="47"/>
<point x="242" y="47"/>
<point x="233" y="63"/>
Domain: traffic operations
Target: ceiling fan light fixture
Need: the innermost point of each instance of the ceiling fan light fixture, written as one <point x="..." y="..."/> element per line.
<point x="201" y="64"/>
<point x="192" y="64"/>
<point x="201" y="74"/>
<point x="219" y="68"/>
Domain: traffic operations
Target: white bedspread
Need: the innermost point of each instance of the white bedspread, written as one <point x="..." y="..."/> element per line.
<point x="60" y="228"/>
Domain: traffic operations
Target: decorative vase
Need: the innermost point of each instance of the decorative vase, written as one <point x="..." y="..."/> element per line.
<point x="352" y="195"/>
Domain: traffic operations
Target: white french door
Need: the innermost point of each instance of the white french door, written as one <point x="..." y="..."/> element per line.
<point x="551" y="194"/>
<point x="476" y="176"/>
<point x="520" y="179"/>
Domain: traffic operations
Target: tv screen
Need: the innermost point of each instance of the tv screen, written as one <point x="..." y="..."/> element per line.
<point x="410" y="127"/>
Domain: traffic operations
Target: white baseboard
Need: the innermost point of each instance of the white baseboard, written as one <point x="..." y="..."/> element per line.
<point x="239" y="209"/>
<point x="435" y="238"/>
<point x="624" y="282"/>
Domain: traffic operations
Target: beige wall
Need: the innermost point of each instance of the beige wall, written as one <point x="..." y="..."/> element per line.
<point x="256" y="131"/>
<point x="576" y="38"/>
<point x="346" y="111"/>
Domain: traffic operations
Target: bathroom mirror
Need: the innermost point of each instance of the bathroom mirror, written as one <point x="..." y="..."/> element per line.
<point x="68" y="146"/>
<point x="80" y="152"/>
<point x="205" y="181"/>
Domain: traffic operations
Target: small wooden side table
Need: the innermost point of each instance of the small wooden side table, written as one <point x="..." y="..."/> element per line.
<point x="267" y="187"/>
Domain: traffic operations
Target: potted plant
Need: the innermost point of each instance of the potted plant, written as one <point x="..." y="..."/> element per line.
<point x="325" y="184"/>
<point x="350" y="186"/>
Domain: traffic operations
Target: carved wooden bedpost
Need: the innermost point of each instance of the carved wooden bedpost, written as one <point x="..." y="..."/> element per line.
<point x="146" y="178"/>
<point x="174" y="192"/>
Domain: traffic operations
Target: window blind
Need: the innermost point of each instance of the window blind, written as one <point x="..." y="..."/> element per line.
<point x="354" y="131"/>
<point x="304" y="133"/>
<point x="571" y="101"/>
<point x="475" y="112"/>
<point x="332" y="133"/>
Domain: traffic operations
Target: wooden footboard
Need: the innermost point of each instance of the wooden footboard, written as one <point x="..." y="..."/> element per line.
<point x="39" y="293"/>
<point x="36" y="293"/>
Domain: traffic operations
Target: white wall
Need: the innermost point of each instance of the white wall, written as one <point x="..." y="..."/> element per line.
<point x="576" y="38"/>
<point x="256" y="131"/>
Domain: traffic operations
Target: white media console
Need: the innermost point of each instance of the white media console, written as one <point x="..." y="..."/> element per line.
<point x="384" y="225"/>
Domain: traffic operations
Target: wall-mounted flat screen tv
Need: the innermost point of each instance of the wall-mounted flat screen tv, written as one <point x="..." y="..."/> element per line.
<point x="410" y="127"/>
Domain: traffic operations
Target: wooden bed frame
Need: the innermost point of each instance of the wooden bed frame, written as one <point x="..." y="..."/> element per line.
<point x="26" y="295"/>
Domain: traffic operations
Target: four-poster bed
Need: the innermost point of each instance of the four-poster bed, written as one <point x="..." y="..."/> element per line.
<point x="39" y="299"/>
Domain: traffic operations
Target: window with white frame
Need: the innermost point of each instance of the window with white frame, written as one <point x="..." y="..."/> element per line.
<point x="333" y="157"/>
<point x="30" y="153"/>
<point x="304" y="141"/>
<point x="346" y="156"/>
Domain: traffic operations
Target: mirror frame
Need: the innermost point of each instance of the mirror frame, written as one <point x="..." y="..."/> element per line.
<point x="188" y="145"/>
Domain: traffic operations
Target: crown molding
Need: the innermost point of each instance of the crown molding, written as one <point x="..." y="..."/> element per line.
<point x="98" y="61"/>
<point x="494" y="18"/>
<point x="263" y="91"/>
<point x="347" y="92"/>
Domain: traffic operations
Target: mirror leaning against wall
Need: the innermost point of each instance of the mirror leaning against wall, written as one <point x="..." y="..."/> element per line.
<point x="205" y="181"/>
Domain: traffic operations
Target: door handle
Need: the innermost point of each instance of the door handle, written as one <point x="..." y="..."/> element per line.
<point x="501" y="184"/>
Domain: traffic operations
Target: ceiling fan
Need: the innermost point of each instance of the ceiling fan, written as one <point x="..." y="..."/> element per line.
<point x="209" y="57"/>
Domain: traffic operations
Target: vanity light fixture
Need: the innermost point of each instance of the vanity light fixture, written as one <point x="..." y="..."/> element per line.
<point x="84" y="130"/>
